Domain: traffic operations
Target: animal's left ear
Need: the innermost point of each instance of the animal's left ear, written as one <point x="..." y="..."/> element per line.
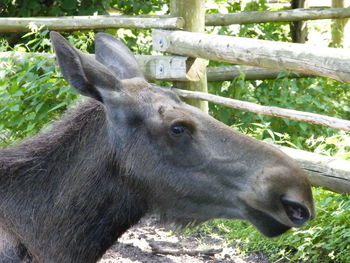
<point x="84" y="73"/>
<point x="116" y="56"/>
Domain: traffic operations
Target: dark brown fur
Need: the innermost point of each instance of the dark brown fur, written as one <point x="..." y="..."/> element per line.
<point x="76" y="181"/>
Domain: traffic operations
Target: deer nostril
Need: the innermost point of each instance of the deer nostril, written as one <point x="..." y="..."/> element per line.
<point x="296" y="212"/>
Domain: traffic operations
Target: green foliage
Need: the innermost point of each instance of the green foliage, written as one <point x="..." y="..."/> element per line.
<point x="263" y="132"/>
<point x="337" y="145"/>
<point x="325" y="239"/>
<point x="38" y="40"/>
<point x="138" y="40"/>
<point x="52" y="8"/>
<point x="32" y="93"/>
<point x="27" y="8"/>
<point x="316" y="95"/>
<point x="140" y="7"/>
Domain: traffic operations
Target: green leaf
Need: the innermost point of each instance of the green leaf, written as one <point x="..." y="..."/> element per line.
<point x="39" y="106"/>
<point x="14" y="108"/>
<point x="18" y="94"/>
<point x="60" y="105"/>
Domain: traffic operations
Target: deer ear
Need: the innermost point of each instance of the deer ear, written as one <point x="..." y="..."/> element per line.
<point x="116" y="56"/>
<point x="83" y="72"/>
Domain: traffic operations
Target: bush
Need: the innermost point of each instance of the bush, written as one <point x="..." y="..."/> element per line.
<point x="317" y="95"/>
<point x="32" y="93"/>
<point x="27" y="8"/>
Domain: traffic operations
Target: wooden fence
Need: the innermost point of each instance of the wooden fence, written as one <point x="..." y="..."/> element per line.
<point x="15" y="24"/>
<point x="189" y="69"/>
<point x="254" y="17"/>
<point x="327" y="62"/>
<point x="25" y="24"/>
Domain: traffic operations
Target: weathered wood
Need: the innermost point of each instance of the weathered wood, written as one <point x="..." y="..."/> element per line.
<point x="177" y="252"/>
<point x="291" y="57"/>
<point x="269" y="110"/>
<point x="253" y="17"/>
<point x="338" y="26"/>
<point x="69" y="23"/>
<point x="298" y="29"/>
<point x="250" y="73"/>
<point x="170" y="68"/>
<point x="14" y="24"/>
<point x="328" y="172"/>
<point x="193" y="13"/>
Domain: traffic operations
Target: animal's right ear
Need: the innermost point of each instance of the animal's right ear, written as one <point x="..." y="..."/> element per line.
<point x="83" y="72"/>
<point x="116" y="56"/>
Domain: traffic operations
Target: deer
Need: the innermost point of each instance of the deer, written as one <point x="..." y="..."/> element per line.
<point x="131" y="148"/>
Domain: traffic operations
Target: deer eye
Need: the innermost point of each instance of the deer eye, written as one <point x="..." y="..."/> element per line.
<point x="177" y="129"/>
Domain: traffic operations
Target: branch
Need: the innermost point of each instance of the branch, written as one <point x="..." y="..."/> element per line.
<point x="268" y="110"/>
<point x="70" y="23"/>
<point x="253" y="17"/>
<point x="204" y="252"/>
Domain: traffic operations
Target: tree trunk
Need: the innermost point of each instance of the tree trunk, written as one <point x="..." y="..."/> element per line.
<point x="299" y="29"/>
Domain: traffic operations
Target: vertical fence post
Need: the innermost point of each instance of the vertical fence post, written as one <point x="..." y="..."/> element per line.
<point x="338" y="25"/>
<point x="193" y="12"/>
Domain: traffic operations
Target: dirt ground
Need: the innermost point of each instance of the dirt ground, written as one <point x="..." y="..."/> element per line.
<point x="148" y="242"/>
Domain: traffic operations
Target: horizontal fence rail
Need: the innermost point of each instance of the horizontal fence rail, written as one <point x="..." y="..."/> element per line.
<point x="176" y="68"/>
<point x="70" y="23"/>
<point x="250" y="73"/>
<point x="298" y="14"/>
<point x="328" y="172"/>
<point x="167" y="68"/>
<point x="311" y="60"/>
<point x="268" y="110"/>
